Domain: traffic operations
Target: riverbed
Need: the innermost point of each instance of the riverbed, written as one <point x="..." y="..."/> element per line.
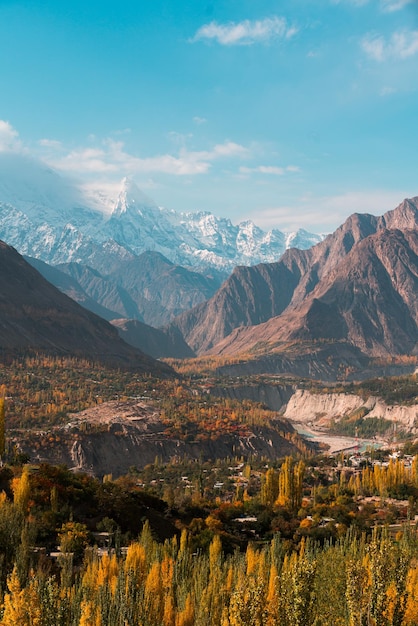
<point x="336" y="443"/>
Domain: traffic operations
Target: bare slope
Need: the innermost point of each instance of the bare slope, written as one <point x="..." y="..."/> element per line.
<point x="369" y="300"/>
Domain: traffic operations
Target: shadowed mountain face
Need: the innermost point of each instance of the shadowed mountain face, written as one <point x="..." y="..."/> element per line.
<point x="157" y="343"/>
<point x="148" y="288"/>
<point x="359" y="285"/>
<point x="71" y="286"/>
<point x="35" y="315"/>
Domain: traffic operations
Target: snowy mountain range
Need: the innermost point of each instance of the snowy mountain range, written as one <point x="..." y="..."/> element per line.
<point x="47" y="216"/>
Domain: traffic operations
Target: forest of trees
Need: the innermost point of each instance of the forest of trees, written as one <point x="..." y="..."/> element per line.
<point x="359" y="577"/>
<point x="351" y="583"/>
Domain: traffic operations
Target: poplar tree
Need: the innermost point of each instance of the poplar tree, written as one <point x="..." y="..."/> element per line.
<point x="290" y="484"/>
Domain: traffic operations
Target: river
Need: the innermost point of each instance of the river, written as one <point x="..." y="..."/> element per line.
<point x="337" y="443"/>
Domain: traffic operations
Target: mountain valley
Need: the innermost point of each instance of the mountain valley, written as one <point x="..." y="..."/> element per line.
<point x="341" y="310"/>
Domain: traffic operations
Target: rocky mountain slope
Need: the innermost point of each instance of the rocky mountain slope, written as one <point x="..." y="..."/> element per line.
<point x="71" y="287"/>
<point x="34" y="315"/>
<point x="369" y="300"/>
<point x="157" y="343"/>
<point x="358" y="286"/>
<point x="148" y="288"/>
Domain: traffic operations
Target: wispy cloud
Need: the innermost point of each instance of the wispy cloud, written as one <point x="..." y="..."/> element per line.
<point x="387" y="91"/>
<point x="356" y="3"/>
<point x="388" y="6"/>
<point x="112" y="158"/>
<point x="395" y="5"/>
<point x="269" y="169"/>
<point x="9" y="137"/>
<point x="199" y="120"/>
<point x="401" y="45"/>
<point x="247" y="32"/>
<point x="109" y="157"/>
<point x="50" y="143"/>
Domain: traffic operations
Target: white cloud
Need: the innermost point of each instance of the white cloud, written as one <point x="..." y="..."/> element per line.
<point x="199" y="120"/>
<point x="394" y="5"/>
<point x="9" y="138"/>
<point x="268" y="169"/>
<point x="387" y="91"/>
<point x="388" y="6"/>
<point x="404" y="44"/>
<point x="246" y="32"/>
<point x="374" y="47"/>
<point x="226" y="149"/>
<point x="112" y="157"/>
<point x="401" y="45"/>
<point x="50" y="143"/>
<point x="356" y="3"/>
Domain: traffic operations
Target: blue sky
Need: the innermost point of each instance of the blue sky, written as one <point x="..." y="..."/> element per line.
<point x="293" y="113"/>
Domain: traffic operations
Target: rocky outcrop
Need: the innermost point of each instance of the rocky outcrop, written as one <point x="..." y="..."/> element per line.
<point x="115" y="436"/>
<point x="272" y="396"/>
<point x="319" y="409"/>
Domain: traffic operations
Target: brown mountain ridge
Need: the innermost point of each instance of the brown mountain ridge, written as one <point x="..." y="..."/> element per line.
<point x="359" y="286"/>
<point x="368" y="300"/>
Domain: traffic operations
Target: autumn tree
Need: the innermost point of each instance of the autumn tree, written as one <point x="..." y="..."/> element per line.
<point x="290" y="484"/>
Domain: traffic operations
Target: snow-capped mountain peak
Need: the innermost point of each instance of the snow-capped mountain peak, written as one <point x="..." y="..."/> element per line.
<point x="46" y="215"/>
<point x="131" y="199"/>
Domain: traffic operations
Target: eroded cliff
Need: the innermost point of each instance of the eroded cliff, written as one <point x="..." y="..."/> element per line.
<point x="319" y="409"/>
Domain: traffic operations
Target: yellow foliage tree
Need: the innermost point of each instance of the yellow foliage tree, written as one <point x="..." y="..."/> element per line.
<point x="154" y="593"/>
<point x="21" y="606"/>
<point x="290" y="483"/>
<point x="90" y="614"/>
<point x="411" y="612"/>
<point x="21" y="490"/>
<point x="186" y="617"/>
<point x="135" y="562"/>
